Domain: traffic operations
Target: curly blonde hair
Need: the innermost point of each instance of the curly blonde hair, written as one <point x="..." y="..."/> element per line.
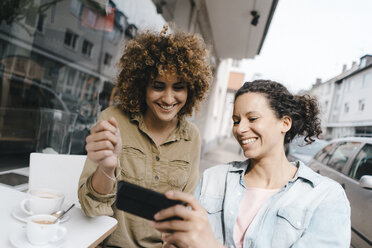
<point x="151" y="54"/>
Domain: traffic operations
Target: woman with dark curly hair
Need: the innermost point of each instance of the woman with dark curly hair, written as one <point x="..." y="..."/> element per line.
<point x="146" y="140"/>
<point x="265" y="201"/>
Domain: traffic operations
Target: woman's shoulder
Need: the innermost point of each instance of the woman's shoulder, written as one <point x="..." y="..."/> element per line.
<point x="189" y="130"/>
<point x="221" y="170"/>
<point x="189" y="126"/>
<point x="324" y="185"/>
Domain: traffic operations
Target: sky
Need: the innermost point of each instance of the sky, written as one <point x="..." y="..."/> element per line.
<point x="142" y="13"/>
<point x="311" y="39"/>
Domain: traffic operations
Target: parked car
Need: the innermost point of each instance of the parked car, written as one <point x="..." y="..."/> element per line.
<point x="349" y="162"/>
<point x="299" y="150"/>
<point x="20" y="116"/>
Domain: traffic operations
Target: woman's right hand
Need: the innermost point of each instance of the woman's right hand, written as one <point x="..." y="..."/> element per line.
<point x="104" y="143"/>
<point x="193" y="230"/>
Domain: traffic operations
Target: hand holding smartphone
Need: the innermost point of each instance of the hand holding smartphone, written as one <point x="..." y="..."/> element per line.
<point x="141" y="201"/>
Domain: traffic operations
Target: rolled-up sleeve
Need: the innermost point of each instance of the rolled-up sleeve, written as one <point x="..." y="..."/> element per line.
<point x="330" y="224"/>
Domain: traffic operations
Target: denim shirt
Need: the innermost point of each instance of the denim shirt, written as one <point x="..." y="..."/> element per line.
<point x="309" y="211"/>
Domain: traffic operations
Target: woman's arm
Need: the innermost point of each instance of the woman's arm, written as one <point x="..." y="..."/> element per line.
<point x="193" y="230"/>
<point x="103" y="148"/>
<point x="97" y="188"/>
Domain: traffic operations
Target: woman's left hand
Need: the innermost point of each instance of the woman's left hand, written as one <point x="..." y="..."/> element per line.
<point x="193" y="230"/>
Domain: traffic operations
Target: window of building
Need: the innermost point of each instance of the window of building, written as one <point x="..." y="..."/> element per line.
<point x="31" y="17"/>
<point x="40" y="23"/>
<point x="112" y="34"/>
<point x="366" y="80"/>
<point x="361" y="105"/>
<point x="75" y="7"/>
<point x="349" y="83"/>
<point x="107" y="59"/>
<point x="346" y="108"/>
<point x="70" y="39"/>
<point x="87" y="48"/>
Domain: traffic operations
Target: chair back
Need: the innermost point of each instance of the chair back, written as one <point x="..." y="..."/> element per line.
<point x="57" y="171"/>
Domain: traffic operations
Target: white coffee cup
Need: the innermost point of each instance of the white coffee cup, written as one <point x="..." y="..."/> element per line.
<point x="41" y="229"/>
<point x="42" y="201"/>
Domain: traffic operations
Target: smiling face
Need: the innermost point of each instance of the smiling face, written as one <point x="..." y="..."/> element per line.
<point x="257" y="129"/>
<point x="165" y="97"/>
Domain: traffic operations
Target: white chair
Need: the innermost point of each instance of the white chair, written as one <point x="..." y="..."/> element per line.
<point x="57" y="171"/>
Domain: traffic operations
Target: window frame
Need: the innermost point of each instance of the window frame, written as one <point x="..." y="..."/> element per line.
<point x="350" y="167"/>
<point x="346" y="165"/>
<point x="89" y="51"/>
<point x="74" y="46"/>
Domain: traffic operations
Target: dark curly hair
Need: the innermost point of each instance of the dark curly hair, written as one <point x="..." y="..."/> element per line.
<point x="302" y="109"/>
<point x="150" y="54"/>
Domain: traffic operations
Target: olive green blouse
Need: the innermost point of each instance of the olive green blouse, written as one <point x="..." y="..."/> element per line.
<point x="172" y="165"/>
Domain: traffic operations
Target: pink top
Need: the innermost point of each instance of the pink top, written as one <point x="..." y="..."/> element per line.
<point x="253" y="200"/>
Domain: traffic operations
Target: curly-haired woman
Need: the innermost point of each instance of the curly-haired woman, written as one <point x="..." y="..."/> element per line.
<point x="265" y="201"/>
<point x="145" y="139"/>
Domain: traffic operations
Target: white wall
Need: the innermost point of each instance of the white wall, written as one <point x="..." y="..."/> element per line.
<point x="354" y="91"/>
<point x="216" y="106"/>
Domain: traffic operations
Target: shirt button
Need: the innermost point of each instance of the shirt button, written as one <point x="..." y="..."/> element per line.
<point x="231" y="212"/>
<point x="298" y="223"/>
<point x="157" y="158"/>
<point x="249" y="242"/>
<point x="156" y="177"/>
<point x="239" y="193"/>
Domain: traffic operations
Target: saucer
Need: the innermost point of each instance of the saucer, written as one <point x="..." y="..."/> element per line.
<point x="19" y="240"/>
<point x="22" y="216"/>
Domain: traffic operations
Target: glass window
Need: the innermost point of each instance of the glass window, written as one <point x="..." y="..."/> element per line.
<point x="112" y="35"/>
<point x="324" y="152"/>
<point x="107" y="60"/>
<point x="346" y="108"/>
<point x="361" y="105"/>
<point x="342" y="153"/>
<point x="41" y="70"/>
<point x="75" y="7"/>
<point x="87" y="48"/>
<point x="40" y="23"/>
<point x="70" y="39"/>
<point x="366" y="80"/>
<point x="31" y="17"/>
<point x="362" y="164"/>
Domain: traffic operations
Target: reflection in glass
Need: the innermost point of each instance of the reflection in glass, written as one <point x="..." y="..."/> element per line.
<point x="56" y="56"/>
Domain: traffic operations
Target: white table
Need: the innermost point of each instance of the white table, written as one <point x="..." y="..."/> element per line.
<point x="82" y="231"/>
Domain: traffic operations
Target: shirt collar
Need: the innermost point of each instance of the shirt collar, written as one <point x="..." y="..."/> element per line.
<point x="306" y="173"/>
<point x="303" y="171"/>
<point x="181" y="132"/>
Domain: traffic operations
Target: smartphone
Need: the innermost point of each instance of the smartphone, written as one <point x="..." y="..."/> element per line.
<point x="141" y="201"/>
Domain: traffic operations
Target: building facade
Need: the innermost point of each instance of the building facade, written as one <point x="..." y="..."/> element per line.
<point x="345" y="103"/>
<point x="234" y="30"/>
<point x="57" y="65"/>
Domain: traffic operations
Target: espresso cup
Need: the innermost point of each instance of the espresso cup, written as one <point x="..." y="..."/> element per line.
<point x="41" y="229"/>
<point x="42" y="201"/>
